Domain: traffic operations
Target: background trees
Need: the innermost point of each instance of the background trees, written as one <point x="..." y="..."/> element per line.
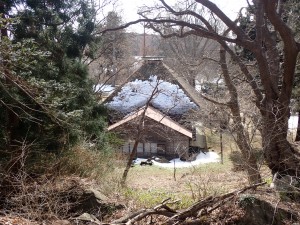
<point x="109" y="57"/>
<point x="275" y="52"/>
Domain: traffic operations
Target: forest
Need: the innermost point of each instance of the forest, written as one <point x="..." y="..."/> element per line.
<point x="189" y="122"/>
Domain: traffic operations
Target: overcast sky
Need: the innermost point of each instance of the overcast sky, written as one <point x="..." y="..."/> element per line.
<point x="129" y="8"/>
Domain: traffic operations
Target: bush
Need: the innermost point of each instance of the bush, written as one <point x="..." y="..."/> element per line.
<point x="238" y="161"/>
<point x="86" y="162"/>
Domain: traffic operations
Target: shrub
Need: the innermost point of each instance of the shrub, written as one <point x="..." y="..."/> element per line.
<point x="85" y="162"/>
<point x="238" y="161"/>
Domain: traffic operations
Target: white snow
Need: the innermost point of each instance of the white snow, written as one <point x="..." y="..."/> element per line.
<point x="104" y="88"/>
<point x="200" y="85"/>
<point x="208" y="157"/>
<point x="167" y="97"/>
<point x="293" y="122"/>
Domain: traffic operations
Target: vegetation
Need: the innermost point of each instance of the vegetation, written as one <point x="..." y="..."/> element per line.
<point x="44" y="84"/>
<point x="58" y="161"/>
<point x="280" y="47"/>
<point x="51" y="125"/>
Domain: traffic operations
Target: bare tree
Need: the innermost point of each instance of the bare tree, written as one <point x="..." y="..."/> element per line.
<point x="225" y="109"/>
<point x="138" y="137"/>
<point x="108" y="57"/>
<point x="275" y="52"/>
<point x="275" y="63"/>
<point x="185" y="55"/>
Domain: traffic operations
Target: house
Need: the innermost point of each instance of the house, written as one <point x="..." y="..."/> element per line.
<point x="163" y="136"/>
<point x="168" y="99"/>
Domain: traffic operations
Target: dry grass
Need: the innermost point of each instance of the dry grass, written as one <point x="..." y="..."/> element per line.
<point x="150" y="185"/>
<point x="52" y="186"/>
<point x="147" y="186"/>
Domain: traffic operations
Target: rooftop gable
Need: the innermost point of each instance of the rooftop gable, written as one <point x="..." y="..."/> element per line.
<point x="155" y="66"/>
<point x="156" y="116"/>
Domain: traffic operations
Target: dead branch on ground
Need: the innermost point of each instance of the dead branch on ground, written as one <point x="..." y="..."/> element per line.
<point x="193" y="213"/>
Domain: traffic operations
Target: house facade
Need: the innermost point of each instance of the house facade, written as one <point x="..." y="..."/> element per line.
<point x="162" y="136"/>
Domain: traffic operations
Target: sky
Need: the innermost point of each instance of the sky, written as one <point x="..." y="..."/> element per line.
<point x="129" y="9"/>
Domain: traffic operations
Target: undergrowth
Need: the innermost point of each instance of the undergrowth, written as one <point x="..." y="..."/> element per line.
<point x="152" y="197"/>
<point x="149" y="186"/>
<point x="47" y="187"/>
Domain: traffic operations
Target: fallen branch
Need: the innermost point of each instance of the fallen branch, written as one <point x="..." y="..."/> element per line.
<point x="200" y="208"/>
<point x="210" y="201"/>
<point x="161" y="209"/>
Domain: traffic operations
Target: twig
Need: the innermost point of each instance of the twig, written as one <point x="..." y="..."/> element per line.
<point x="209" y="201"/>
<point x="175" y="217"/>
<point x="275" y="210"/>
<point x="161" y="209"/>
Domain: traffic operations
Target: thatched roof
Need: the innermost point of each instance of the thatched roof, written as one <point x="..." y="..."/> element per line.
<point x="156" y="66"/>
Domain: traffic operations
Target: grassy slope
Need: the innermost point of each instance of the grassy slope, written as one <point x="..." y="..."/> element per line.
<point x="148" y="186"/>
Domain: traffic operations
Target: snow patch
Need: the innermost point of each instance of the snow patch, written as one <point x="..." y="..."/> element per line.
<point x="104" y="88"/>
<point x="208" y="157"/>
<point x="293" y="122"/>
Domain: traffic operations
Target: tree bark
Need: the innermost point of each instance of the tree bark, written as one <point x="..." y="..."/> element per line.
<point x="250" y="161"/>
<point x="242" y="140"/>
<point x="129" y="162"/>
<point x="280" y="155"/>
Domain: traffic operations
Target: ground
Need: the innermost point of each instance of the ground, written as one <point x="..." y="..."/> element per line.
<point x="148" y="186"/>
<point x="189" y="183"/>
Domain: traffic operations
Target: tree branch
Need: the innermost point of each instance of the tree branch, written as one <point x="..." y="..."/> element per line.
<point x="241" y="36"/>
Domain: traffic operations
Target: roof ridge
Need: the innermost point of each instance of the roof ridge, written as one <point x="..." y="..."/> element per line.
<point x="138" y="112"/>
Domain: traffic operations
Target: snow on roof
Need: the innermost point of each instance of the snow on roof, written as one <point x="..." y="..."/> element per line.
<point x="146" y="68"/>
<point x="103" y="88"/>
<point x="165" y="96"/>
<point x="158" y="117"/>
<point x="208" y="157"/>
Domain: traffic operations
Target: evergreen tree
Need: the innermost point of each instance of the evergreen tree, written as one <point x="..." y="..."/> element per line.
<point x="110" y="52"/>
<point x="44" y="86"/>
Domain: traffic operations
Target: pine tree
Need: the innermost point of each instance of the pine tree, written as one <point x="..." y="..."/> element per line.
<point x="49" y="92"/>
<point x="110" y="52"/>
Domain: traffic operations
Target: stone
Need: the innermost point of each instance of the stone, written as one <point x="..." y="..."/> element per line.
<point x="88" y="217"/>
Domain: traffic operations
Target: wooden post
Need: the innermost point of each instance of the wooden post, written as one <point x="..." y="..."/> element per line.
<point x="174" y="171"/>
<point x="221" y="145"/>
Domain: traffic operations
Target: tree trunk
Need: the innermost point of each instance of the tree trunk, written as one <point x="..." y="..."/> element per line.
<point x="250" y="161"/>
<point x="129" y="162"/>
<point x="139" y="135"/>
<point x="281" y="156"/>
<point x="242" y="140"/>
